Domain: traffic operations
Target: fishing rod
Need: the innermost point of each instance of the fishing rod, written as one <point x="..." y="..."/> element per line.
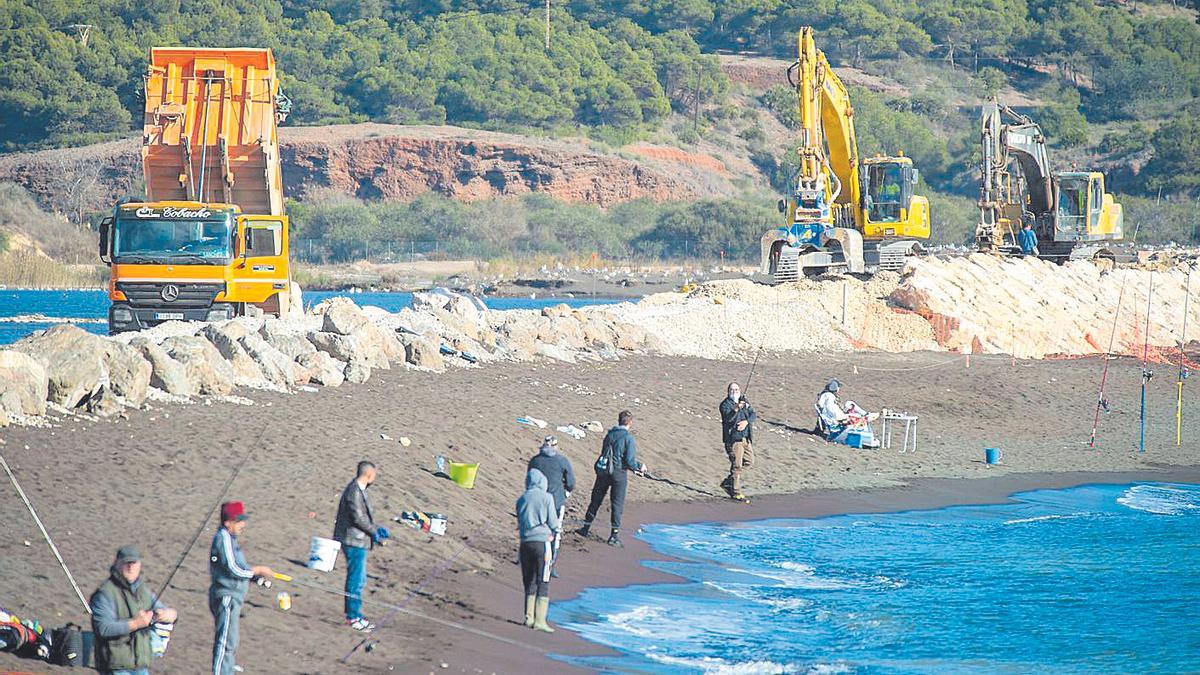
<point x="1101" y="401"/>
<point x="216" y="504"/>
<point x="1187" y="288"/>
<point x="1146" y="372"/>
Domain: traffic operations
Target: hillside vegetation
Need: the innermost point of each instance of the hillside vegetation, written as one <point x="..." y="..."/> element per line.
<point x="1116" y="83"/>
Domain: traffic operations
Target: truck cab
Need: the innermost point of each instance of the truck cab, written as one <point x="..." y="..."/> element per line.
<point x="188" y="261"/>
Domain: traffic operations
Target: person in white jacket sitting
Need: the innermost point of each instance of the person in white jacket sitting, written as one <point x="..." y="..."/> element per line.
<point x="837" y="423"/>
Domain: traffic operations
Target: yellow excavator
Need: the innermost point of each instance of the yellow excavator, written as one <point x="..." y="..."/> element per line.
<point x="1069" y="211"/>
<point x="845" y="214"/>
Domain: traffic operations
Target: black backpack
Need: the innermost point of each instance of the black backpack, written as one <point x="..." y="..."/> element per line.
<point x="66" y="646"/>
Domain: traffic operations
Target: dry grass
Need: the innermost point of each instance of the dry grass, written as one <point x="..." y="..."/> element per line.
<point x="25" y="268"/>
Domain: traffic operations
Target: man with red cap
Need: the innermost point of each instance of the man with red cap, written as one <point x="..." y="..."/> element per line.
<point x="230" y="575"/>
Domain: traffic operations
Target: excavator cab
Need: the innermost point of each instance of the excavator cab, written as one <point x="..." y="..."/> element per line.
<point x="890" y="205"/>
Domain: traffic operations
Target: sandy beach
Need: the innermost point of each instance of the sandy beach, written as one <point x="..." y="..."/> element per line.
<point x="151" y="478"/>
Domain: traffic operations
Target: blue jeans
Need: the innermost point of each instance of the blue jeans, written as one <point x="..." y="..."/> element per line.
<point x="356" y="580"/>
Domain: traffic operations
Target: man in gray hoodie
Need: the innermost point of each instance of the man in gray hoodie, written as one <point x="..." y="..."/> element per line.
<point x="557" y="470"/>
<point x="538" y="520"/>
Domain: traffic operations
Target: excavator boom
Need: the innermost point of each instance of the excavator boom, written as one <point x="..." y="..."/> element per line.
<point x="844" y="213"/>
<point x="1068" y="211"/>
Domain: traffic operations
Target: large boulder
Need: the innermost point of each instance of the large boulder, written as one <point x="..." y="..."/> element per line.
<point x="281" y="337"/>
<point x="227" y="338"/>
<point x="165" y="372"/>
<point x="357" y="372"/>
<point x="343" y="317"/>
<point x="209" y="372"/>
<point x="422" y="353"/>
<point x="104" y="403"/>
<point x="323" y="368"/>
<point x="630" y="336"/>
<point x="340" y="347"/>
<point x="73" y="359"/>
<point x="368" y="346"/>
<point x="556" y="311"/>
<point x="24" y="384"/>
<point x="128" y="372"/>
<point x="275" y="366"/>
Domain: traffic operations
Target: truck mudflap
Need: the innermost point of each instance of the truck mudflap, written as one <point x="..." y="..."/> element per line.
<point x="124" y="317"/>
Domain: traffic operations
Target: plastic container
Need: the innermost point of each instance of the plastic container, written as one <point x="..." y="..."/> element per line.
<point x="854" y="439"/>
<point x="463" y="474"/>
<point x="322" y="554"/>
<point x="992" y="455"/>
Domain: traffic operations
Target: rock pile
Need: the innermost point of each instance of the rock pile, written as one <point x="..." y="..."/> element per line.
<point x="1033" y="308"/>
<point x="335" y="342"/>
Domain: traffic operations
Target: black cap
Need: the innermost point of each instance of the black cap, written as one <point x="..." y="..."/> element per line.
<point x="128" y="554"/>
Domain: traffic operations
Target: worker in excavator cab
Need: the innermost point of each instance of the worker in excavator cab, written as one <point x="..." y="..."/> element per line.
<point x="1027" y="239"/>
<point x="883" y="193"/>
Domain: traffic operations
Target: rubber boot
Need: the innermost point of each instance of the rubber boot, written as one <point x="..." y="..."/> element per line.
<point x="529" y="603"/>
<point x="541" y="609"/>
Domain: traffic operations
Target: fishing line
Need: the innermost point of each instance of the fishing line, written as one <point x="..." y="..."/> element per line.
<point x="412" y="612"/>
<point x="216" y="504"/>
<point x="1101" y="402"/>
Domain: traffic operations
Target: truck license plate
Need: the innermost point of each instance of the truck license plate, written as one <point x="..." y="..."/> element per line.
<point x="168" y="316"/>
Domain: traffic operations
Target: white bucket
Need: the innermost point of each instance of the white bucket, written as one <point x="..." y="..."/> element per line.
<point x="323" y="554"/>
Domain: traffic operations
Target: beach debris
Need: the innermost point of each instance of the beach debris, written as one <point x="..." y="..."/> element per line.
<point x="433" y="523"/>
<point x="405" y="441"/>
<point x="573" y="431"/>
<point x="385" y="437"/>
<point x="308" y="389"/>
<point x="440" y="463"/>
<point x="532" y="422"/>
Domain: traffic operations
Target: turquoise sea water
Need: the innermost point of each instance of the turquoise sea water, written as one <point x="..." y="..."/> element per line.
<point x="22" y="312"/>
<point x="1093" y="579"/>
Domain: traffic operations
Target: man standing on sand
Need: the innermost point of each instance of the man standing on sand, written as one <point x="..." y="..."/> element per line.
<point x="230" y="577"/>
<point x="355" y="528"/>
<point x="557" y="470"/>
<point x="618" y="454"/>
<point x="123" y="613"/>
<point x="537" y="519"/>
<point x="737" y="432"/>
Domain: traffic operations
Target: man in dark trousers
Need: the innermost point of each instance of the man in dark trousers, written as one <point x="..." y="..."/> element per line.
<point x="558" y="472"/>
<point x="737" y="432"/>
<point x="123" y="613"/>
<point x="356" y="530"/>
<point x="618" y="454"/>
<point x="230" y="577"/>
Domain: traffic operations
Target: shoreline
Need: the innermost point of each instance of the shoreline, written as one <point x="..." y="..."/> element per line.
<point x="594" y="564"/>
<point x="460" y="592"/>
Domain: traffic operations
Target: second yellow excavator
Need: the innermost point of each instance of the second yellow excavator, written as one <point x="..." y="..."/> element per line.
<point x="844" y="215"/>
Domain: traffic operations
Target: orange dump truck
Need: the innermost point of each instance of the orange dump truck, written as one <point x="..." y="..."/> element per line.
<point x="211" y="240"/>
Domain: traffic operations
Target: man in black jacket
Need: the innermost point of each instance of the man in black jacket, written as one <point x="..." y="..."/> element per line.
<point x="355" y="528"/>
<point x="557" y="470"/>
<point x="737" y="432"/>
<point x="618" y="454"/>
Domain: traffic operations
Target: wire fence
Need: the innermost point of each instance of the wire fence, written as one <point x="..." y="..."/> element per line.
<point x="320" y="251"/>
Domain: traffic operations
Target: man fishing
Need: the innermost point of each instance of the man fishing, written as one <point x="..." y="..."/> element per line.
<point x="230" y="579"/>
<point x="737" y="433"/>
<point x="355" y="528"/>
<point x="123" y="613"/>
<point x="618" y="454"/>
<point x="557" y="469"/>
